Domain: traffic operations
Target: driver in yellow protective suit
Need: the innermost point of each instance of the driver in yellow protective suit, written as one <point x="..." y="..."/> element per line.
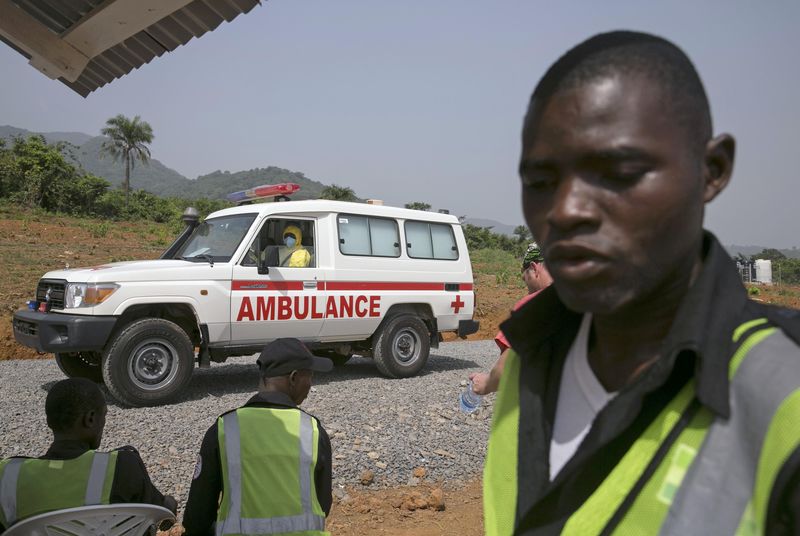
<point x="292" y="254"/>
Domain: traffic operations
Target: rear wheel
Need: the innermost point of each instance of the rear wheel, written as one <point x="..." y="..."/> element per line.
<point x="148" y="363"/>
<point x="81" y="365"/>
<point x="402" y="347"/>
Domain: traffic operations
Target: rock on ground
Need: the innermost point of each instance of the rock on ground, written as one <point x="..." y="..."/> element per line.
<point x="386" y="426"/>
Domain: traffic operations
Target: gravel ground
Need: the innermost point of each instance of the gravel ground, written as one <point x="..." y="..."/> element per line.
<point x="387" y="426"/>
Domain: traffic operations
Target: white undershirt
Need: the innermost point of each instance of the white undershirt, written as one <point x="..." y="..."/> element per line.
<point x="580" y="398"/>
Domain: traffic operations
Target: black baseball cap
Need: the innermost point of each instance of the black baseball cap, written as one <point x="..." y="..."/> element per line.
<point x="282" y="356"/>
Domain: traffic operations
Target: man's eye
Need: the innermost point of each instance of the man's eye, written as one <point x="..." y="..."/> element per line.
<point x="539" y="181"/>
<point x="625" y="175"/>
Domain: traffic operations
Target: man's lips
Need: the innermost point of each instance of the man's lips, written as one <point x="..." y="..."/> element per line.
<point x="575" y="261"/>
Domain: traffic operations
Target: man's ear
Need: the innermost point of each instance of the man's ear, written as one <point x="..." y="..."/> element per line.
<point x="718" y="165"/>
<point x="89" y="418"/>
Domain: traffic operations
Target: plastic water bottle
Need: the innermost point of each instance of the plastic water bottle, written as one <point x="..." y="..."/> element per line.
<point x="469" y="401"/>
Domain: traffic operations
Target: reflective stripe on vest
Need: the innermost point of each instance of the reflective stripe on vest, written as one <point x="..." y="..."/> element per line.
<point x="231" y="521"/>
<point x="97" y="491"/>
<point x="8" y="490"/>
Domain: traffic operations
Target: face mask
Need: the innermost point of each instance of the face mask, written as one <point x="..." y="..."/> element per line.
<point x="289" y="241"/>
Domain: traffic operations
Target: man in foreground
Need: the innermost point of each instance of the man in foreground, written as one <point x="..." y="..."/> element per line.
<point x="536" y="278"/>
<point x="265" y="468"/>
<point x="652" y="397"/>
<point x="72" y="472"/>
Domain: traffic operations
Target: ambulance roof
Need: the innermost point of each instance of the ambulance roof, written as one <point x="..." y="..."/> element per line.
<point x="317" y="206"/>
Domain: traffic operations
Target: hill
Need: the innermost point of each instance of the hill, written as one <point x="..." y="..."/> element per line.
<point x="75" y="138"/>
<point x="157" y="178"/>
<point x="218" y="184"/>
<point x="748" y="251"/>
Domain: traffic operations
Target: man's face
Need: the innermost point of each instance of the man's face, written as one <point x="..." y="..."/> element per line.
<point x="535" y="277"/>
<point x="613" y="192"/>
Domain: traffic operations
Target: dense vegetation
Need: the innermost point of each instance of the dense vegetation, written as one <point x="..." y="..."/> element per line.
<point x="35" y="174"/>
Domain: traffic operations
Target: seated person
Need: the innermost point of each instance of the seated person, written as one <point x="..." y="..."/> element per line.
<point x="72" y="472"/>
<point x="292" y="254"/>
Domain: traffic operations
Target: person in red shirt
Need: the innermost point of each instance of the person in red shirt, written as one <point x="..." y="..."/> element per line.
<point x="536" y="278"/>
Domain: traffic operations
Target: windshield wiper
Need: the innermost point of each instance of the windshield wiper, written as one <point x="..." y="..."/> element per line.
<point x="202" y="256"/>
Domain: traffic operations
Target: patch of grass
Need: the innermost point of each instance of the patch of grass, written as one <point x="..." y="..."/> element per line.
<point x="753" y="291"/>
<point x="98" y="230"/>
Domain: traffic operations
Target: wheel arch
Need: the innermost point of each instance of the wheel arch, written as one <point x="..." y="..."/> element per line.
<point x="423" y="311"/>
<point x="182" y="313"/>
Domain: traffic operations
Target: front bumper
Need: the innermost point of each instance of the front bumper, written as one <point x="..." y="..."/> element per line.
<point x="467" y="327"/>
<point x="58" y="333"/>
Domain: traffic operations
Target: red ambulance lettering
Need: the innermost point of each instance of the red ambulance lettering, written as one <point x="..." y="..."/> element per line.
<point x="245" y="310"/>
<point x="288" y="307"/>
<point x="330" y="308"/>
<point x="345" y="306"/>
<point x="300" y="315"/>
<point x="284" y="307"/>
<point x="361" y="313"/>
<point x="265" y="309"/>
<point x="314" y="313"/>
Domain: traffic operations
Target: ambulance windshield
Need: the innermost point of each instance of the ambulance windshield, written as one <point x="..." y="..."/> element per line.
<point x="216" y="239"/>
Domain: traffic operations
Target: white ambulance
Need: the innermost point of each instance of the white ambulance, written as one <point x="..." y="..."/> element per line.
<point x="346" y="278"/>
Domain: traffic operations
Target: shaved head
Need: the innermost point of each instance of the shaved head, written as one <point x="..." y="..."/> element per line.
<point x="631" y="54"/>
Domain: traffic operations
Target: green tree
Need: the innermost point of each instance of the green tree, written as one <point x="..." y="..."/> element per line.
<point x="335" y="192"/>
<point x="36" y="174"/>
<point x="418" y="205"/>
<point x="771" y="254"/>
<point x="522" y="233"/>
<point x="128" y="139"/>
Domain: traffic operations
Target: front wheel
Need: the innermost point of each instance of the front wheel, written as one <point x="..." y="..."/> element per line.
<point x="81" y="365"/>
<point x="402" y="347"/>
<point x="148" y="363"/>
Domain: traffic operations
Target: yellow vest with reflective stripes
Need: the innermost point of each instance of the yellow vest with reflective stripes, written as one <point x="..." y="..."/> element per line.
<point x="268" y="457"/>
<point x="30" y="486"/>
<point x="701" y="475"/>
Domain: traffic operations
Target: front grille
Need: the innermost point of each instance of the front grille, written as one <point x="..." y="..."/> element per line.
<point x="56" y="288"/>
<point x="26" y="328"/>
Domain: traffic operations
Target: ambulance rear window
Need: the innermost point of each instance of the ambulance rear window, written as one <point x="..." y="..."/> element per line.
<point x="430" y="241"/>
<point x="368" y="236"/>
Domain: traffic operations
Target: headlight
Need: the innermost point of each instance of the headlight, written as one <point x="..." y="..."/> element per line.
<point x="87" y="294"/>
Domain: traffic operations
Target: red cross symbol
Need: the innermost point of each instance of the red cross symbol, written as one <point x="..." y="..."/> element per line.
<point x="458" y="304"/>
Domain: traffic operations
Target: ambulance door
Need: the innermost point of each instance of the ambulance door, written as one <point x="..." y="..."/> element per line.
<point x="288" y="300"/>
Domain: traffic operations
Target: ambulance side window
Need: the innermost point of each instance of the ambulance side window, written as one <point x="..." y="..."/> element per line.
<point x="430" y="241"/>
<point x="368" y="236"/>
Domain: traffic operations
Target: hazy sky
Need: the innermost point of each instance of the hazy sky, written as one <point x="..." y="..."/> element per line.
<point x="422" y="101"/>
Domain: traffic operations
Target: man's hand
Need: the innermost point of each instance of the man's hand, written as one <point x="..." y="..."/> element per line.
<point x="481" y="383"/>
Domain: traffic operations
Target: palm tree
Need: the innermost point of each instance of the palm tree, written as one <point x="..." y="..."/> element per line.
<point x="335" y="192"/>
<point x="128" y="139"/>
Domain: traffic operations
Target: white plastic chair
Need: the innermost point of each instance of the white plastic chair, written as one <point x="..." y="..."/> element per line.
<point x="125" y="519"/>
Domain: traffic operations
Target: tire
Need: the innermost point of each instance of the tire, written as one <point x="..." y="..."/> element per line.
<point x="81" y="365"/>
<point x="148" y="363"/>
<point x="402" y="347"/>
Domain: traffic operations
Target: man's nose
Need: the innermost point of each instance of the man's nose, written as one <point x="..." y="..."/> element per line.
<point x="574" y="204"/>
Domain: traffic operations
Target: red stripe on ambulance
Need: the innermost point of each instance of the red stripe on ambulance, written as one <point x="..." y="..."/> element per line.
<point x="267" y="285"/>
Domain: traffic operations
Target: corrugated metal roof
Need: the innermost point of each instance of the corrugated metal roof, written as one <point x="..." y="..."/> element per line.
<point x="166" y="35"/>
